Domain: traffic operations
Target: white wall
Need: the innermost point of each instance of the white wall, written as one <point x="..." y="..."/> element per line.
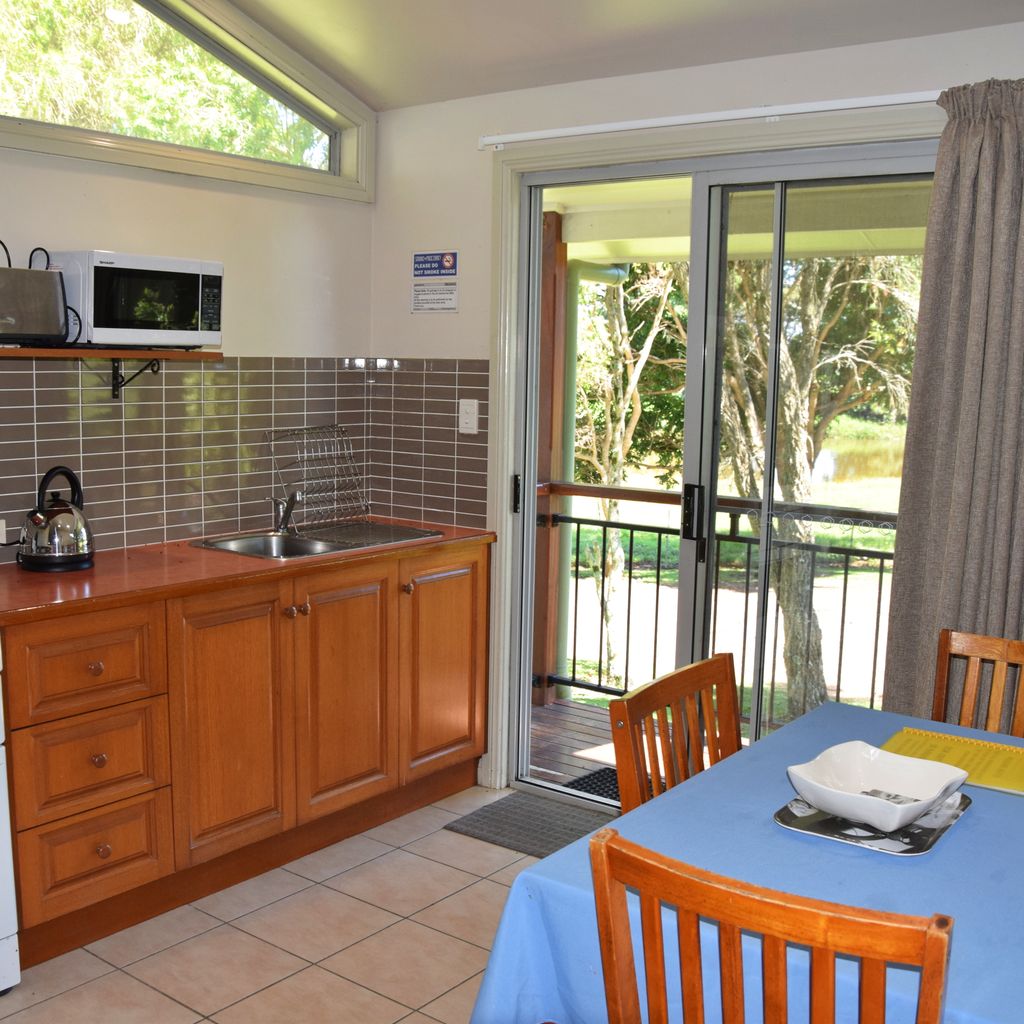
<point x="434" y="187"/>
<point x="297" y="270"/>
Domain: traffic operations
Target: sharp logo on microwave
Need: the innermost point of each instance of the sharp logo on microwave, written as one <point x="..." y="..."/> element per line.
<point x="143" y="301"/>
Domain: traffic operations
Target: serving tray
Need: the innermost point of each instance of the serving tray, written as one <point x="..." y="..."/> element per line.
<point x="918" y="837"/>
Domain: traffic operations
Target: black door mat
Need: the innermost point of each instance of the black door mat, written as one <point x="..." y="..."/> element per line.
<point x="531" y="824"/>
<point x="602" y="782"/>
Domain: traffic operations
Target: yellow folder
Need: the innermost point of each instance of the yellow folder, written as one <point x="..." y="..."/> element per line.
<point x="993" y="765"/>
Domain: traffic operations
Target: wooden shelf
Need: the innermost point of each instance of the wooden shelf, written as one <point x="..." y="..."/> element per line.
<point x="95" y="352"/>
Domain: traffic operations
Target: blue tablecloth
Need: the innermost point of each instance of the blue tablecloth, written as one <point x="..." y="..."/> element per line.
<point x="546" y="964"/>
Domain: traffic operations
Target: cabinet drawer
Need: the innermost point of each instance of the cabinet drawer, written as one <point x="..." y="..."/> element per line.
<point x="60" y="667"/>
<point x="62" y="768"/>
<point x="81" y="860"/>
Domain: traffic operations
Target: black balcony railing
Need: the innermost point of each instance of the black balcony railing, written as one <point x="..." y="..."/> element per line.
<point x="607" y="555"/>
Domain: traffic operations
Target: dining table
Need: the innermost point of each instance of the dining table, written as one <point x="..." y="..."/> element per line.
<point x="545" y="964"/>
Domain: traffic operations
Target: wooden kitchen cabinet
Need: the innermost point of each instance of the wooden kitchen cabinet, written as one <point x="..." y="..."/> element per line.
<point x="231" y="693"/>
<point x="230" y="724"/>
<point x="346" y="660"/>
<point x="443" y="658"/>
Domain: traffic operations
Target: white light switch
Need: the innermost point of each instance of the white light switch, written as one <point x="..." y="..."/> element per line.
<point x="469" y="414"/>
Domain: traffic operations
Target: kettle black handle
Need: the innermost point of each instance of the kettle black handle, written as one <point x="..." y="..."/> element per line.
<point x="76" y="487"/>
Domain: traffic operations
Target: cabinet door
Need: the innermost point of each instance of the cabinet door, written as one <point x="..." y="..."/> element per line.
<point x="443" y="658"/>
<point x="232" y="718"/>
<point x="346" y="687"/>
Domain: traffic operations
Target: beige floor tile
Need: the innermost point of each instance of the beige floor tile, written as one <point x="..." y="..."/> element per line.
<point x="332" y="860"/>
<point x="151" y="936"/>
<point x="314" y="996"/>
<point x="411" y="827"/>
<point x="418" y="1018"/>
<point x="508" y="875"/>
<point x="51" y="978"/>
<point x="215" y="969"/>
<point x="471" y="799"/>
<point x="113" y="999"/>
<point x="401" y="882"/>
<point x="252" y="894"/>
<point x="409" y="963"/>
<point x="455" y="1007"/>
<point x="315" y="923"/>
<point x="463" y="852"/>
<point x="471" y="914"/>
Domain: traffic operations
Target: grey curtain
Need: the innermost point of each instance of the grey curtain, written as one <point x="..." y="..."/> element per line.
<point x="960" y="543"/>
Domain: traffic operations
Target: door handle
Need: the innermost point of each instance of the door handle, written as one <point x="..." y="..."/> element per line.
<point x="693" y="518"/>
<point x="409" y="587"/>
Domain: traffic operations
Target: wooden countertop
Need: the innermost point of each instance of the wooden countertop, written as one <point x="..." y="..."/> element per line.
<point x="158" y="571"/>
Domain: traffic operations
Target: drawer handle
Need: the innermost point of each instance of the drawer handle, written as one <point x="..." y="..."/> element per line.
<point x="95" y="668"/>
<point x="304" y="608"/>
<point x="103" y="851"/>
<point x="409" y="587"/>
<point x="100" y="760"/>
<point x="291" y="611"/>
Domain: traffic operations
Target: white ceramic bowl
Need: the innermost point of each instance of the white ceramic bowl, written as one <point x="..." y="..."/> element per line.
<point x="862" y="783"/>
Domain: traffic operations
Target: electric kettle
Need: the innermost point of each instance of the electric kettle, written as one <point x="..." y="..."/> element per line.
<point x="56" y="535"/>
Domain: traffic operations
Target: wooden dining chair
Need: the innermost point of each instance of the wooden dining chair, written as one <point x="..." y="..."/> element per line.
<point x="660" y="730"/>
<point x="981" y="707"/>
<point x="670" y="889"/>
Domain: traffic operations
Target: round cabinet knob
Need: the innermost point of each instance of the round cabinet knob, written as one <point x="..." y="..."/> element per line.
<point x="99" y="760"/>
<point x="95" y="668"/>
<point x="409" y="587"/>
<point x="103" y="851"/>
<point x="305" y="608"/>
<point x="291" y="611"/>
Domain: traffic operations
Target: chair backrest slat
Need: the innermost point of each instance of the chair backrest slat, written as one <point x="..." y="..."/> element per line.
<point x="660" y="730"/>
<point x="773" y="980"/>
<point x="692" y="967"/>
<point x="654" y="967"/>
<point x="980" y="708"/>
<point x="823" y="986"/>
<point x="872" y="991"/>
<point x="730" y="960"/>
<point x="738" y="909"/>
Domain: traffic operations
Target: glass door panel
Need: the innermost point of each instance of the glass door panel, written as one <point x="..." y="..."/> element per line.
<point x="849" y="291"/>
<point x="818" y="286"/>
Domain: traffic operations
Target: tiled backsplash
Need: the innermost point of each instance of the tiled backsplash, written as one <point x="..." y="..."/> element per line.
<point x="184" y="454"/>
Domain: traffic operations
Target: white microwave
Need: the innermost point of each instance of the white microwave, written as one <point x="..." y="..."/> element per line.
<point x="141" y="301"/>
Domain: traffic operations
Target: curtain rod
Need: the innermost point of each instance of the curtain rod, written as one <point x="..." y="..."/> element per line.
<point x="674" y="121"/>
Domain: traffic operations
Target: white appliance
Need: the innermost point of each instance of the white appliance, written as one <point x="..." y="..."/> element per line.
<point x="142" y="301"/>
<point x="10" y="965"/>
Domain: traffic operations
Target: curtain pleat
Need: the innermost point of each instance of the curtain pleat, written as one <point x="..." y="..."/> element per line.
<point x="959" y="559"/>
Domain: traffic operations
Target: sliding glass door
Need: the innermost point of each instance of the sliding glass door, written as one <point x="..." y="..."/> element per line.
<point x="714" y="392"/>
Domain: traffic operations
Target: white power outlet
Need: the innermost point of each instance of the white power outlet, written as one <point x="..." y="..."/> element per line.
<point x="3" y="532"/>
<point x="469" y="416"/>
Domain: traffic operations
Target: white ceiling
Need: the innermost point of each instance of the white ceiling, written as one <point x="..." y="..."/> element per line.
<point x="397" y="53"/>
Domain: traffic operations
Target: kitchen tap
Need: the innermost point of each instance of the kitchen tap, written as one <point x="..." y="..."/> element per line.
<point x="283" y="510"/>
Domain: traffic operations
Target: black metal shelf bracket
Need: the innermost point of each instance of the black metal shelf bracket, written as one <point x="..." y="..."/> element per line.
<point x="118" y="381"/>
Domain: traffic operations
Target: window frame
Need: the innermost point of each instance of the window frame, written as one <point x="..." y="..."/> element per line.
<point x="272" y="66"/>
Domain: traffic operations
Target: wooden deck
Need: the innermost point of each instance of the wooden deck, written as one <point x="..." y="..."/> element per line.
<point x="568" y="739"/>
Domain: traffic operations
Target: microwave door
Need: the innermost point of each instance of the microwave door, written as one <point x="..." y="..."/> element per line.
<point x="148" y="307"/>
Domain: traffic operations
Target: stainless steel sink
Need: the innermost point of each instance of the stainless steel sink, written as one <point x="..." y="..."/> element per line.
<point x="338" y="537"/>
<point x="270" y="545"/>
